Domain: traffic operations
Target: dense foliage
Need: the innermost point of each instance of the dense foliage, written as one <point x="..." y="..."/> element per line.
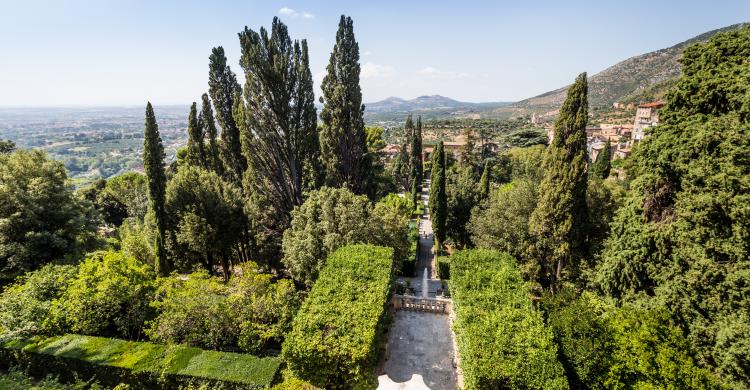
<point x="334" y="217"/>
<point x="335" y="337"/>
<point x="153" y="162"/>
<point x="681" y="237"/>
<point x="438" y="202"/>
<point x="40" y="218"/>
<point x="501" y="338"/>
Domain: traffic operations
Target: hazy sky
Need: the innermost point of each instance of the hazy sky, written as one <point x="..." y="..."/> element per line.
<point x="127" y="52"/>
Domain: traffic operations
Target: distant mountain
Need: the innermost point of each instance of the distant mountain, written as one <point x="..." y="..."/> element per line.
<point x="638" y="78"/>
<point x="430" y="107"/>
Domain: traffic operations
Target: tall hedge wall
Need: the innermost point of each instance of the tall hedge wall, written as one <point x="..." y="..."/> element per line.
<point x="139" y="364"/>
<point x="502" y="341"/>
<point x="335" y="337"/>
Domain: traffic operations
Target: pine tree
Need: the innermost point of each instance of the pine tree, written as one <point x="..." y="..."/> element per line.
<point x="278" y="118"/>
<point x="438" y="202"/>
<point x="153" y="163"/>
<point x="484" y="181"/>
<point x="343" y="141"/>
<point x="196" y="151"/>
<point x="559" y="220"/>
<point x="602" y="165"/>
<point x="224" y="88"/>
<point x="213" y="159"/>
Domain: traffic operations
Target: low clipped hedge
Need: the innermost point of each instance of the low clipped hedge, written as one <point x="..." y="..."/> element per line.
<point x="139" y="364"/>
<point x="336" y="334"/>
<point x="502" y="341"/>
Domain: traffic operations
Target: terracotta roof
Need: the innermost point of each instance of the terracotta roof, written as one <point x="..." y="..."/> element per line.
<point x="651" y="105"/>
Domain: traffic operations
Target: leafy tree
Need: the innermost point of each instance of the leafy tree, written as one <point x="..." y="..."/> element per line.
<point x="206" y="119"/>
<point x="461" y="197"/>
<point x="131" y="190"/>
<point x="342" y="138"/>
<point x="113" y="211"/>
<point x="682" y="234"/>
<point x="380" y="182"/>
<point x="109" y="296"/>
<point x="7" y="146"/>
<point x="334" y="217"/>
<point x="205" y="221"/>
<point x="224" y="91"/>
<point x="438" y="203"/>
<point x="559" y="220"/>
<point x="137" y="240"/>
<point x="196" y="149"/>
<point x="467" y="151"/>
<point x="399" y="204"/>
<point x="25" y="306"/>
<point x="153" y="162"/>
<point x="250" y="311"/>
<point x="279" y="126"/>
<point x="401" y="168"/>
<point x="602" y="165"/>
<point x="40" y="217"/>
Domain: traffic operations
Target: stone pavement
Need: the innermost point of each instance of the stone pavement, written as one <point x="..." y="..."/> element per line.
<point x="420" y="353"/>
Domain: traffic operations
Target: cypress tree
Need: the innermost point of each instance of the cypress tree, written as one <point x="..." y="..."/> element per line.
<point x="224" y="88"/>
<point x="438" y="201"/>
<point x="418" y="154"/>
<point x="559" y="219"/>
<point x="196" y="151"/>
<point x="153" y="163"/>
<point x="414" y="195"/>
<point x="484" y="181"/>
<point x="278" y="115"/>
<point x="467" y="154"/>
<point x="343" y="141"/>
<point x="601" y="167"/>
<point x="213" y="159"/>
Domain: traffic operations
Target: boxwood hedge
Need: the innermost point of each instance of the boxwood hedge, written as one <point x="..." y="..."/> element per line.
<point x="335" y="336"/>
<point x="502" y="341"/>
<point x="139" y="364"/>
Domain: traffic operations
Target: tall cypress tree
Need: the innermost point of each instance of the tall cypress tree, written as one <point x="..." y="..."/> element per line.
<point x="279" y="128"/>
<point x="602" y="165"/>
<point x="223" y="88"/>
<point x="414" y="195"/>
<point x="153" y="163"/>
<point x="411" y="141"/>
<point x="484" y="181"/>
<point x="343" y="141"/>
<point x="559" y="220"/>
<point x="438" y="202"/>
<point x="196" y="151"/>
<point x="213" y="159"/>
<point x="418" y="147"/>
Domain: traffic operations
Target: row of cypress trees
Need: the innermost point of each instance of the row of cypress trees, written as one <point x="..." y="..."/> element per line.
<point x="270" y="142"/>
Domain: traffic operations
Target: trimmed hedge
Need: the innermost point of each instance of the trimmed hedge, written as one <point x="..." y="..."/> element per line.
<point x="139" y="364"/>
<point x="502" y="341"/>
<point x="444" y="267"/>
<point x="335" y="336"/>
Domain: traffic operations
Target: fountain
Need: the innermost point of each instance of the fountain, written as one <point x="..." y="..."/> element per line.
<point x="425" y="283"/>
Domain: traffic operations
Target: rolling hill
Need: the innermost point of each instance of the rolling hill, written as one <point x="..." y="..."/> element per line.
<point x="430" y="107"/>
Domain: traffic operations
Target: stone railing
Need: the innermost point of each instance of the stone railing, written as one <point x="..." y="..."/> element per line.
<point x="432" y="305"/>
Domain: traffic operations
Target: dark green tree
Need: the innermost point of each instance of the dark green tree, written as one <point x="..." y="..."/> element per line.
<point x="438" y="203"/>
<point x="602" y="165"/>
<point x="153" y="163"/>
<point x="414" y="194"/>
<point x="418" y="150"/>
<point x="342" y="138"/>
<point x="462" y="196"/>
<point x="213" y="157"/>
<point x="484" y="181"/>
<point x="196" y="150"/>
<point x="278" y="119"/>
<point x="7" y="146"/>
<point x="224" y="89"/>
<point x="560" y="217"/>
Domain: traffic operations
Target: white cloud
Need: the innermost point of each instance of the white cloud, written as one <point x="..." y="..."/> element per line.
<point x="293" y="14"/>
<point x="367" y="53"/>
<point x="371" y="70"/>
<point x="436" y="73"/>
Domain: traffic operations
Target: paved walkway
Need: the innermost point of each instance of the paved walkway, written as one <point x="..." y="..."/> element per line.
<point x="420" y="344"/>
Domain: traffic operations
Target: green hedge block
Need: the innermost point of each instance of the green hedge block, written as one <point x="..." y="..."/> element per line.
<point x="502" y="341"/>
<point x="140" y="364"/>
<point x="335" y="336"/>
<point x="444" y="267"/>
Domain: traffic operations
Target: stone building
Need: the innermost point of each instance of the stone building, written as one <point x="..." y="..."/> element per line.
<point x="646" y="115"/>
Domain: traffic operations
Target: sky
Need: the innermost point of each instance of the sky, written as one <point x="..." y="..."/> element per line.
<point x="104" y="53"/>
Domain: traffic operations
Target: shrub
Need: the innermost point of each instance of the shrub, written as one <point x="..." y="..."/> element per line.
<point x="139" y="364"/>
<point x="250" y="311"/>
<point x="109" y="296"/>
<point x="335" y="337"/>
<point x="25" y="306"/>
<point x="502" y="341"/>
<point x="444" y="267"/>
